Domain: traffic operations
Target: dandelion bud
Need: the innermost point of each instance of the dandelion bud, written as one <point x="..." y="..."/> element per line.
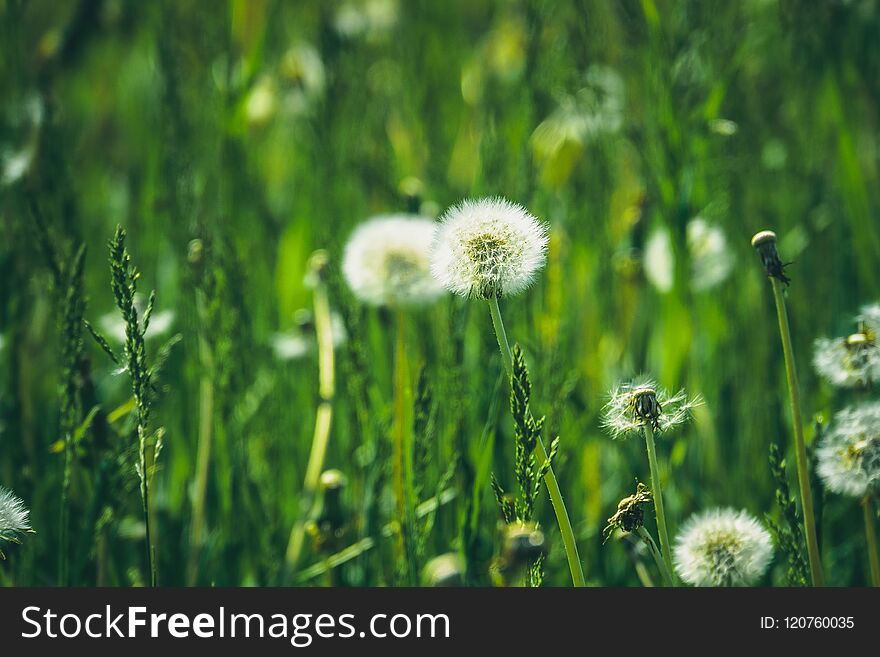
<point x="722" y="547"/>
<point x="488" y="249"/>
<point x="14" y="520"/>
<point x="522" y="546"/>
<point x="629" y="516"/>
<point x="447" y="570"/>
<point x="765" y="244"/>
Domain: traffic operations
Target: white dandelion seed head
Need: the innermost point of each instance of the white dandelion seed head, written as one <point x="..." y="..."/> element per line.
<point x="849" y="453"/>
<point x="640" y="402"/>
<point x="488" y="248"/>
<point x="14" y="517"/>
<point x="852" y="361"/>
<point x="722" y="547"/>
<point x="387" y="261"/>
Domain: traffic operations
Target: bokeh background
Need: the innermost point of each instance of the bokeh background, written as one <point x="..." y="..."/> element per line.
<point x="234" y="138"/>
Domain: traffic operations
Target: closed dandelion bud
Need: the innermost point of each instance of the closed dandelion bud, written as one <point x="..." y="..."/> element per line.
<point x="522" y="545"/>
<point x="764" y="243"/>
<point x="446" y="570"/>
<point x="329" y="522"/>
<point x="722" y="547"/>
<point x="387" y="261"/>
<point x="849" y="453"/>
<point x="488" y="249"/>
<point x="629" y="516"/>
<point x="14" y="519"/>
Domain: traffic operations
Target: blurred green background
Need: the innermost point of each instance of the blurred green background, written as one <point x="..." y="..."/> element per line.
<point x="233" y="138"/>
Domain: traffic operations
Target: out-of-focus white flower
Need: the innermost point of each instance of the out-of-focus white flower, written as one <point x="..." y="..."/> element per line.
<point x="23" y="118"/>
<point x="849" y="454"/>
<point x="113" y="326"/>
<point x="711" y="259"/>
<point x="723" y="127"/>
<point x="722" y="547"/>
<point x="488" y="248"/>
<point x="302" y="69"/>
<point x="301" y="341"/>
<point x="642" y="402"/>
<point x="261" y="102"/>
<point x="659" y="260"/>
<point x="387" y="261"/>
<point x="369" y="18"/>
<point x="14" y="518"/>
<point x="853" y="361"/>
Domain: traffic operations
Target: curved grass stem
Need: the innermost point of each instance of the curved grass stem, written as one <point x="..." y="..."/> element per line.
<point x="658" y="558"/>
<point x="323" y="419"/>
<point x="565" y="527"/>
<point x="800" y="445"/>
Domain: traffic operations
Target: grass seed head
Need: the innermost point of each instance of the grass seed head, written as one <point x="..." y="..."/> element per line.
<point x="722" y="547"/>
<point x="488" y="248"/>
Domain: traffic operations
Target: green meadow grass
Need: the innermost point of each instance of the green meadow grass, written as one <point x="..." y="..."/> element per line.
<point x="233" y="139"/>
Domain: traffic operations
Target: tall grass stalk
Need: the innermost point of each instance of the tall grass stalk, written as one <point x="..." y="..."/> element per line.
<point x="565" y="527"/>
<point x="656" y="489"/>
<point x="124" y="279"/>
<point x="871" y="536"/>
<point x="324" y="416"/>
<point x="800" y="445"/>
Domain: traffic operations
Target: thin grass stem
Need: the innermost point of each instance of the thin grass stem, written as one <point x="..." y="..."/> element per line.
<point x="871" y="536"/>
<point x="800" y="445"/>
<point x="565" y="527"/>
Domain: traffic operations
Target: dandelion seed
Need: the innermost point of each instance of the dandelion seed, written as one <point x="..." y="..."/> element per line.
<point x="14" y="518"/>
<point x="641" y="402"/>
<point x="488" y="249"/>
<point x="853" y="361"/>
<point x="722" y="547"/>
<point x="849" y="454"/>
<point x="387" y="261"/>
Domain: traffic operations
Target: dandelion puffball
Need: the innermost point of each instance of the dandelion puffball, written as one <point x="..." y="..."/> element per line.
<point x="14" y="521"/>
<point x="488" y="249"/>
<point x="853" y="361"/>
<point x="849" y="453"/>
<point x="722" y="547"/>
<point x="387" y="261"/>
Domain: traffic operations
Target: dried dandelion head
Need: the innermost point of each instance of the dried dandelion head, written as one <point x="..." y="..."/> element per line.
<point x="641" y="403"/>
<point x="387" y="261"/>
<point x="629" y="515"/>
<point x="14" y="518"/>
<point x="764" y="243"/>
<point x="722" y="547"/>
<point x="853" y="361"/>
<point x="488" y="249"/>
<point x="849" y="454"/>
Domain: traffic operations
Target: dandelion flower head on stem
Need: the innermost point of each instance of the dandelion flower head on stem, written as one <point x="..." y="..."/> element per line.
<point x="849" y="453"/>
<point x="722" y="547"/>
<point x="387" y="261"/>
<point x="641" y="402"/>
<point x="488" y="249"/>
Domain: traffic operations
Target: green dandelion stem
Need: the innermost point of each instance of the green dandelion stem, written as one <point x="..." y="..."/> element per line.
<point x="658" y="558"/>
<point x="323" y="418"/>
<point x="800" y="445"/>
<point x="656" y="489"/>
<point x="565" y="527"/>
<point x="871" y="536"/>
